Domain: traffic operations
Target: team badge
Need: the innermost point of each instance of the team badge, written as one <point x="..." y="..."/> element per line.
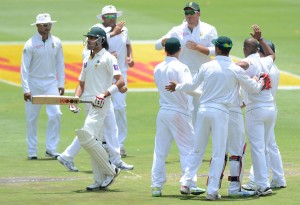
<point x="85" y="64"/>
<point x="116" y="67"/>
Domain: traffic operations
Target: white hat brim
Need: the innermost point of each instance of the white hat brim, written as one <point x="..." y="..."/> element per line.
<point x="119" y="13"/>
<point x="42" y="23"/>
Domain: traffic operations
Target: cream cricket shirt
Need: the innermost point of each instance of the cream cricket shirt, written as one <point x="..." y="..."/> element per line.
<point x="98" y="73"/>
<point x="42" y="63"/>
<point x="203" y="34"/>
<point x="258" y="65"/>
<point x="221" y="79"/>
<point x="172" y="69"/>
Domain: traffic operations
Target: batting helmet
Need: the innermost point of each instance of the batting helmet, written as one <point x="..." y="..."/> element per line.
<point x="270" y="43"/>
<point x="96" y="32"/>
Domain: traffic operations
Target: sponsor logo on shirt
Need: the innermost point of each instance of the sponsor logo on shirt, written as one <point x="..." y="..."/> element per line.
<point x="116" y="67"/>
<point x="39" y="46"/>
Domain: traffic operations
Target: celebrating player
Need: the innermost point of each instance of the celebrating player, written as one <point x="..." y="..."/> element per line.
<point x="273" y="153"/>
<point x="221" y="79"/>
<point x="195" y="37"/>
<point x="260" y="109"/>
<point x="174" y="120"/>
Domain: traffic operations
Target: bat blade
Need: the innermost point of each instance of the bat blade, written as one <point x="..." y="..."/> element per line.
<point x="56" y="100"/>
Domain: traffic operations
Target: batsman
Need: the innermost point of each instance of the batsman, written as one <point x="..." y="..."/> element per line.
<point x="98" y="71"/>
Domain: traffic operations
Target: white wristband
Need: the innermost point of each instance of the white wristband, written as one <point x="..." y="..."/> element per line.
<point x="113" y="89"/>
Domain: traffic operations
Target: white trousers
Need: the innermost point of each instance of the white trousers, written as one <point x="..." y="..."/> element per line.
<point x="110" y="133"/>
<point x="260" y="123"/>
<point x="170" y="126"/>
<point x="274" y="161"/>
<point x="235" y="146"/>
<point x="119" y="102"/>
<point x="209" y="121"/>
<point x="53" y="124"/>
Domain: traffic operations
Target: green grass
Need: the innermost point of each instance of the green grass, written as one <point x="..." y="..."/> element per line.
<point x="47" y="182"/>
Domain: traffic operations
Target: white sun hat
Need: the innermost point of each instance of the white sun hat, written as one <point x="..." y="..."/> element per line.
<point x="109" y="9"/>
<point x="43" y="18"/>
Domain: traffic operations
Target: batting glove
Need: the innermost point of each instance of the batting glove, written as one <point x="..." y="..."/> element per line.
<point x="266" y="80"/>
<point x="74" y="109"/>
<point x="98" y="101"/>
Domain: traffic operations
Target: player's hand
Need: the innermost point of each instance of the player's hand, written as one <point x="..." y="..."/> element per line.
<point x="74" y="109"/>
<point x="61" y="91"/>
<point x="27" y="97"/>
<point x="117" y="29"/>
<point x="256" y="32"/>
<point x="265" y="80"/>
<point x="130" y="61"/>
<point x="191" y="45"/>
<point x="98" y="101"/>
<point x="123" y="89"/>
<point x="171" y="87"/>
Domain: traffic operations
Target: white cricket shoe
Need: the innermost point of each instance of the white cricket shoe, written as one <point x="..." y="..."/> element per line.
<point x="265" y="192"/>
<point x="69" y="165"/>
<point x="92" y="187"/>
<point x="124" y="166"/>
<point x="184" y="190"/>
<point x="109" y="179"/>
<point x="197" y="190"/>
<point x="52" y="154"/>
<point x="242" y="193"/>
<point x="250" y="186"/>
<point x="156" y="192"/>
<point x="213" y="197"/>
<point x="277" y="185"/>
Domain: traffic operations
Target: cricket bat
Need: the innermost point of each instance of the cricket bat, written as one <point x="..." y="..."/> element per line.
<point x="57" y="100"/>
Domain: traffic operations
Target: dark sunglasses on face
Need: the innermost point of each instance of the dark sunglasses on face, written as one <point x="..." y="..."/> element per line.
<point x="190" y="12"/>
<point x="111" y="16"/>
<point x="45" y="24"/>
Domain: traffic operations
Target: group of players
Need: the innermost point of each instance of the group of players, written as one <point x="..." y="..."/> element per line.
<point x="198" y="97"/>
<point x="106" y="58"/>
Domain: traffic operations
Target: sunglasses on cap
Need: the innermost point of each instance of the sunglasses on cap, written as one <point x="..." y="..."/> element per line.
<point x="190" y="12"/>
<point x="45" y="24"/>
<point x="111" y="16"/>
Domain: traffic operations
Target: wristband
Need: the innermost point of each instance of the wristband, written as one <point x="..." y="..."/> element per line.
<point x="261" y="38"/>
<point x="113" y="89"/>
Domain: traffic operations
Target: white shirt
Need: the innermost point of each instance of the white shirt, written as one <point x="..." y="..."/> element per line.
<point x="42" y="63"/>
<point x="171" y="69"/>
<point x="275" y="77"/>
<point x="117" y="44"/>
<point x="202" y="34"/>
<point x="221" y="79"/>
<point x="257" y="65"/>
<point x="98" y="73"/>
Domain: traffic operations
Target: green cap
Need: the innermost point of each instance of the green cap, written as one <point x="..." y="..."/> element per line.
<point x="192" y="5"/>
<point x="223" y="42"/>
<point x="172" y="45"/>
<point x="96" y="32"/>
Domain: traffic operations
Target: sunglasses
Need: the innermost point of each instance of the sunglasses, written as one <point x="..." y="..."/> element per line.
<point x="190" y="12"/>
<point x="111" y="16"/>
<point x="46" y="24"/>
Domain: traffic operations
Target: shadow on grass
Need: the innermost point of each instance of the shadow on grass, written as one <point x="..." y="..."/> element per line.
<point x="203" y="198"/>
<point x="84" y="191"/>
